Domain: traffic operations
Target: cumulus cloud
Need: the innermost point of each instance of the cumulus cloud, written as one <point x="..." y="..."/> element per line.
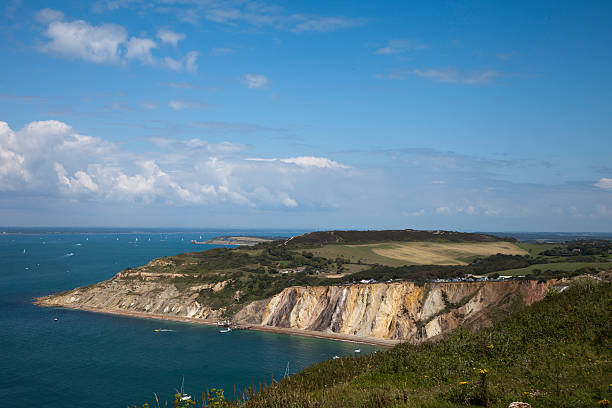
<point x="140" y="48"/>
<point x="78" y="39"/>
<point x="109" y="43"/>
<point x="170" y="37"/>
<point x="604" y="183"/>
<point x="255" y="81"/>
<point x="188" y="63"/>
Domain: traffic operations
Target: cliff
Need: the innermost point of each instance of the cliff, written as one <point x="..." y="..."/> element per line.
<point x="391" y="311"/>
<point x="398" y="311"/>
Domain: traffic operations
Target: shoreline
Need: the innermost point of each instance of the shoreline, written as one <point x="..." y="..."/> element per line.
<point x="279" y="330"/>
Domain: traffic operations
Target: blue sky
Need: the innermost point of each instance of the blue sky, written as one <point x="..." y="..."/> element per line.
<point x="316" y="115"/>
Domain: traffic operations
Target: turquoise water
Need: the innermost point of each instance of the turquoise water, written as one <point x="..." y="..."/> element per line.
<point x="95" y="360"/>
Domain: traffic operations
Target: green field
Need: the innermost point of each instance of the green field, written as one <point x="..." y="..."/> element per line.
<point x="536" y="249"/>
<point x="559" y="266"/>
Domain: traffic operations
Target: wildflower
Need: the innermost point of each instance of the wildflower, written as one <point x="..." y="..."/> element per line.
<point x="482" y="371"/>
<point x="490" y="346"/>
<point x="604" y="403"/>
<point x="462" y="382"/>
<point x="525" y="392"/>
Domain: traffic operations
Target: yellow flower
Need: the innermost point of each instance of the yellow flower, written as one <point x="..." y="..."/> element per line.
<point x="463" y="382"/>
<point x="525" y="392"/>
<point x="482" y="371"/>
<point x="490" y="346"/>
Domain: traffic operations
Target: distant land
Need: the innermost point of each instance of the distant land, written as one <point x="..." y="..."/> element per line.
<point x="375" y="286"/>
<point x="236" y="240"/>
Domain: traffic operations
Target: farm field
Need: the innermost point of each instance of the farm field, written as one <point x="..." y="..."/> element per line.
<point x="536" y="249"/>
<point x="558" y="266"/>
<point x="417" y="253"/>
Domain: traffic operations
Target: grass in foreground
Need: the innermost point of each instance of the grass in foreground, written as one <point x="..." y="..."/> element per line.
<point x="556" y="353"/>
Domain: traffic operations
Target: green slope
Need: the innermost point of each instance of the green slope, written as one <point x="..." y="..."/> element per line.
<point x="556" y="353"/>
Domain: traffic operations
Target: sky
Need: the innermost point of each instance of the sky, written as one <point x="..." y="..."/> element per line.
<point x="472" y="116"/>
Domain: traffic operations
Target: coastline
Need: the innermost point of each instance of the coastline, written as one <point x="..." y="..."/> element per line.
<point x="279" y="330"/>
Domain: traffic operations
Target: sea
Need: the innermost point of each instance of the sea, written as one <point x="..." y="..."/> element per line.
<point x="93" y="360"/>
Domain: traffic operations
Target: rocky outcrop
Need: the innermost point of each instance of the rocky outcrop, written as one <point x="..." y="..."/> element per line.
<point x="400" y="311"/>
<point x="391" y="311"/>
<point x="139" y="290"/>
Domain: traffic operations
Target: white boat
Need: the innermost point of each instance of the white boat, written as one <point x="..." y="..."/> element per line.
<point x="226" y="330"/>
<point x="357" y="350"/>
<point x="336" y="357"/>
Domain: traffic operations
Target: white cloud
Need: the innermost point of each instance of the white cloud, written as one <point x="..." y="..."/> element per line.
<point x="400" y="46"/>
<point x="305" y="162"/>
<point x="437" y="182"/>
<point x="81" y="182"/>
<point x="443" y="210"/>
<point x="47" y="15"/>
<point x="140" y="48"/>
<point x="289" y="202"/>
<point x="604" y="183"/>
<point x="109" y="43"/>
<point x="311" y="161"/>
<point x="191" y="60"/>
<point x="187" y="63"/>
<point x="180" y="104"/>
<point x="255" y="81"/>
<point x="170" y="37"/>
<point x="78" y="39"/>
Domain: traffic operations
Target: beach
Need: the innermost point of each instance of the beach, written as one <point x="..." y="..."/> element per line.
<point x="296" y="332"/>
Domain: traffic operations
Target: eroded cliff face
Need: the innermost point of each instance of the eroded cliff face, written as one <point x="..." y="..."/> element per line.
<point x="401" y="311"/>
<point x="393" y="311"/>
<point x="139" y="291"/>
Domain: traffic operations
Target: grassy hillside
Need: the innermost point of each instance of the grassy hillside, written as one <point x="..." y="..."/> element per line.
<point x="555" y="353"/>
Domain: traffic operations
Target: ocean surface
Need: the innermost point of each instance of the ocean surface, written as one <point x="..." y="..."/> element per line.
<point x="95" y="360"/>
